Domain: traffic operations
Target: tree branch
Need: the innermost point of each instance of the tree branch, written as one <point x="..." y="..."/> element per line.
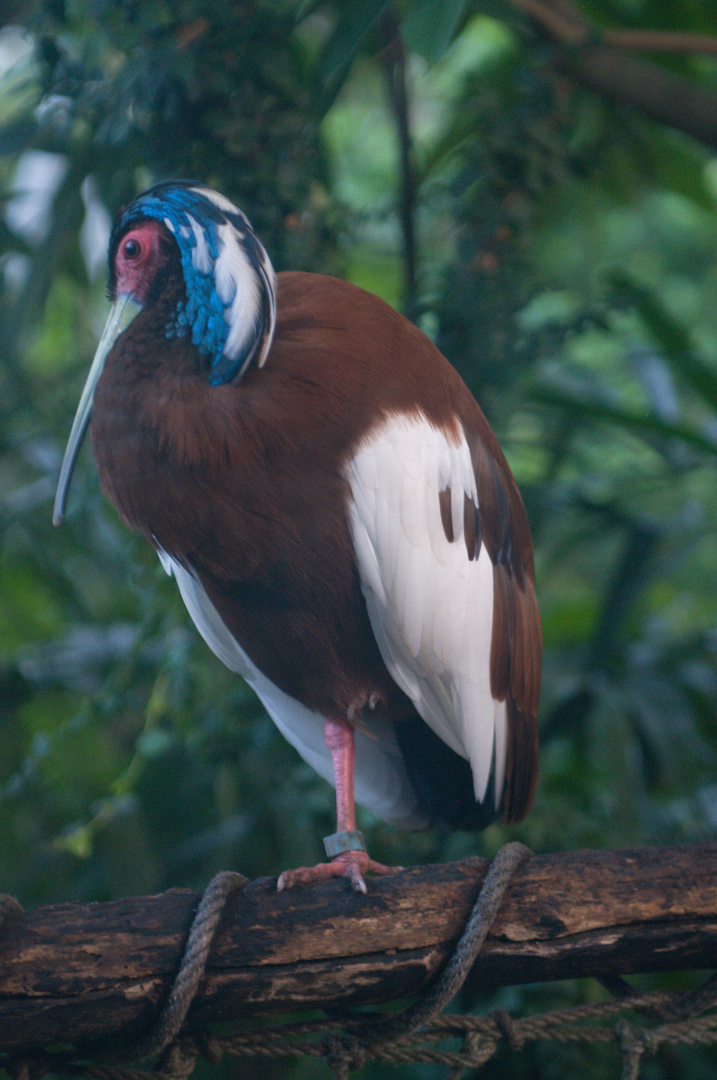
<point x="661" y="41"/>
<point x="602" y="61"/>
<point x="78" y="972"/>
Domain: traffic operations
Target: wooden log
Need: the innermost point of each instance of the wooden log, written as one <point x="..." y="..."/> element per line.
<point x="74" y="972"/>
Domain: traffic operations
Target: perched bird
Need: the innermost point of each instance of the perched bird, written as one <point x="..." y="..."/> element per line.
<point x="338" y="515"/>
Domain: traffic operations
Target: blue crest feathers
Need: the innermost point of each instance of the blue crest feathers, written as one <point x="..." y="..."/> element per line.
<point x="230" y="305"/>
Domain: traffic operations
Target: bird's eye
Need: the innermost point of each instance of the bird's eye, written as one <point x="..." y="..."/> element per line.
<point x="132" y="249"/>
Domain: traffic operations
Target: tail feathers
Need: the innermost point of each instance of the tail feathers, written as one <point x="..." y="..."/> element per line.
<point x="442" y="780"/>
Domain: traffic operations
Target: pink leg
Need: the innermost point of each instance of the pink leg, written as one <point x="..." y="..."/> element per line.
<point x="339" y="737"/>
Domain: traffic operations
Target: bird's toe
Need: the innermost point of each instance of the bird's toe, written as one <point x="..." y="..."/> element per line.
<point x="352" y="865"/>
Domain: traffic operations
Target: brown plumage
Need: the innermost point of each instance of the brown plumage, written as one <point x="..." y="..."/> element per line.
<point x="248" y="487"/>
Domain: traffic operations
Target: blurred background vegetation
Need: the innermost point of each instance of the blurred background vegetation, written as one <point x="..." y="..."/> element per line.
<point x="472" y="166"/>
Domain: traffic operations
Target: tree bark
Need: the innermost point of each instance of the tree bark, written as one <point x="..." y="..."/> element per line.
<point x="77" y="972"/>
<point x="604" y="61"/>
<point x="660" y="94"/>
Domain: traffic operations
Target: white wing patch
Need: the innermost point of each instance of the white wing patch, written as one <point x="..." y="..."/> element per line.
<point x="430" y="606"/>
<point x="381" y="781"/>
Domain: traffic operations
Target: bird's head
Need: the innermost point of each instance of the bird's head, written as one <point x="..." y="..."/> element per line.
<point x="227" y="306"/>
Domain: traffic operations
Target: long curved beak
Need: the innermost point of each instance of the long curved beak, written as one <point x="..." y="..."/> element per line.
<point x="123" y="312"/>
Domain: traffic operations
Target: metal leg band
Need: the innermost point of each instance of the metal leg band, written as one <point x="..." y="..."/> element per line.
<point x="348" y="840"/>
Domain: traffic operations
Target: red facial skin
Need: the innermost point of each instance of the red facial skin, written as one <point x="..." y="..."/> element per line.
<point x="141" y="253"/>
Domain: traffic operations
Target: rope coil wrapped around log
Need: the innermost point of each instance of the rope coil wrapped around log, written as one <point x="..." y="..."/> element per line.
<point x="348" y="1042"/>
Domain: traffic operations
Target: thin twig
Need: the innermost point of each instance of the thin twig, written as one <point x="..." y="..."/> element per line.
<point x="606" y="62"/>
<point x="568" y="25"/>
<point x="660" y="41"/>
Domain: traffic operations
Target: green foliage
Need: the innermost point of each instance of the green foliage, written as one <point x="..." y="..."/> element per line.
<point x="566" y="267"/>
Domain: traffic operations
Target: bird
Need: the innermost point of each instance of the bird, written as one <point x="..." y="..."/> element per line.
<point x="341" y="522"/>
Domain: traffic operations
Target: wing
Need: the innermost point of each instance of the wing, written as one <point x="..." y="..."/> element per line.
<point x="381" y="781"/>
<point x="431" y="515"/>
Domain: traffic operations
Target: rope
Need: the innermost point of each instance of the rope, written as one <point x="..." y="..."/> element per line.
<point x="349" y="1052"/>
<point x="482" y="917"/>
<point x="179" y="1060"/>
<point x="343" y="1052"/>
<point x="191" y="969"/>
<point x="482" y="1037"/>
<point x="348" y="1042"/>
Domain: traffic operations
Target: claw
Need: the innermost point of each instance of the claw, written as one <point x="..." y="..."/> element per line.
<point x="350" y="864"/>
<point x="354" y="862"/>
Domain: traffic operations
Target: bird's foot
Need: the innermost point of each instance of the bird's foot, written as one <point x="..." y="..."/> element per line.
<point x="349" y="864"/>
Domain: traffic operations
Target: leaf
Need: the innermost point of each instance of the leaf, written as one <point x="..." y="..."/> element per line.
<point x="78" y="841"/>
<point x="665" y="721"/>
<point x="630" y="574"/>
<point x="656" y="377"/>
<point x="16" y="136"/>
<point x="671" y="335"/>
<point x="672" y="163"/>
<point x="429" y="27"/>
<point x="348" y="36"/>
<point x="584" y="404"/>
<point x="155" y="742"/>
